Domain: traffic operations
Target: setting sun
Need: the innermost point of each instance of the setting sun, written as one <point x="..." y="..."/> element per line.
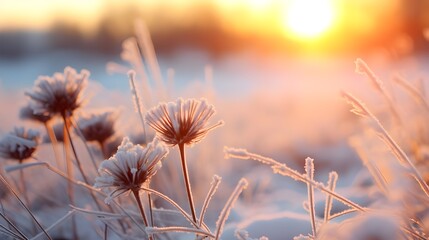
<point x="308" y="18"/>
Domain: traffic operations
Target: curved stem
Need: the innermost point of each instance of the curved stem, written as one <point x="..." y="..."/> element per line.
<point x="186" y="178"/>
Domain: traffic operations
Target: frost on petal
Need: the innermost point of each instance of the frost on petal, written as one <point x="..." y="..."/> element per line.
<point x="181" y="121"/>
<point x="130" y="167"/>
<point x="19" y="144"/>
<point x="59" y="94"/>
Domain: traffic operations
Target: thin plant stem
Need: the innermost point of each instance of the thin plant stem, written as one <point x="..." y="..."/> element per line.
<point x="186" y="178"/>
<point x="69" y="169"/>
<point x="137" y="102"/>
<point x="13" y="225"/>
<point x="186" y="215"/>
<point x="79" y="183"/>
<point x="140" y="205"/>
<point x="25" y="193"/>
<point x="242" y="184"/>
<point x="54" y="143"/>
<point x="333" y="176"/>
<point x="77" y="128"/>
<point x="155" y="230"/>
<point x="309" y="169"/>
<point x="23" y="205"/>
<point x="361" y="110"/>
<point x="214" y="185"/>
<point x="79" y="165"/>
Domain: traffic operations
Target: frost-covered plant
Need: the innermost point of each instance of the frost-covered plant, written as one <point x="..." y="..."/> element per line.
<point x="20" y="144"/>
<point x="98" y="127"/>
<point x="59" y="94"/>
<point x="131" y="166"/>
<point x="182" y="123"/>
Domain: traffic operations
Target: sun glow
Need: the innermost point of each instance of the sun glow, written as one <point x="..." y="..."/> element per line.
<point x="308" y="18"/>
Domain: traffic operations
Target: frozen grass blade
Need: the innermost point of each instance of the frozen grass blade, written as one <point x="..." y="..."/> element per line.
<point x="332" y="181"/>
<point x="13" y="226"/>
<point x="131" y="54"/>
<point x="136" y="99"/>
<point x="56" y="223"/>
<point x="333" y="216"/>
<point x="242" y="184"/>
<point x="213" y="187"/>
<point x="362" y="68"/>
<point x="376" y="174"/>
<point x="309" y="169"/>
<point x="284" y="170"/>
<point x="413" y="91"/>
<point x="186" y="215"/>
<point x="98" y="213"/>
<point x="9" y="233"/>
<point x="2" y="179"/>
<point x="157" y="230"/>
<point x="146" y="45"/>
<point x="393" y="146"/>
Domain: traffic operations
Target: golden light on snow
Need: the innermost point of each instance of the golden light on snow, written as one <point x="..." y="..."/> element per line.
<point x="308" y="18"/>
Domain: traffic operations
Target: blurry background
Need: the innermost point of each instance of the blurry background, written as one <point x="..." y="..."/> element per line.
<point x="285" y="60"/>
<point x="90" y="32"/>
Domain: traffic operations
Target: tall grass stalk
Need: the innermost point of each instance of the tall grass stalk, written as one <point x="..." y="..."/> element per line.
<point x="137" y="102"/>
<point x="332" y="181"/>
<point x="361" y="110"/>
<point x="414" y="92"/>
<point x="363" y="68"/>
<point x="309" y="169"/>
<point x="213" y="187"/>
<point x="282" y="169"/>
<point x="146" y="45"/>
<point x="242" y="184"/>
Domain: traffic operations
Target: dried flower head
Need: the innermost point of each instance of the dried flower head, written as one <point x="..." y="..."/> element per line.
<point x="59" y="94"/>
<point x="181" y="122"/>
<point x="27" y="113"/>
<point x="130" y="167"/>
<point x="19" y="144"/>
<point x="98" y="127"/>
